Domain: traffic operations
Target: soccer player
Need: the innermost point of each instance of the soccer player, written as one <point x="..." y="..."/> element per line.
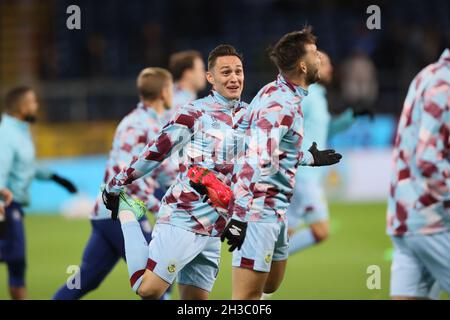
<point x="18" y="168"/>
<point x="309" y="204"/>
<point x="418" y="215"/>
<point x="106" y="246"/>
<point x="266" y="177"/>
<point x="193" y="213"/>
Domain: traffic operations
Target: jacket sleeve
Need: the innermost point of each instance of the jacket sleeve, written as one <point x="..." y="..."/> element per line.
<point x="173" y="136"/>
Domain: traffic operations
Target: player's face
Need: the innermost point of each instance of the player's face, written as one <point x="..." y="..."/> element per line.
<point x="227" y="77"/>
<point x="326" y="69"/>
<point x="167" y="95"/>
<point x="310" y="63"/>
<point x="28" y="106"/>
<point x="198" y="74"/>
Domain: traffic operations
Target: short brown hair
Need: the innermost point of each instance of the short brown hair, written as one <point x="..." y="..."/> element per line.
<point x="222" y="50"/>
<point x="181" y="61"/>
<point x="14" y="95"/>
<point x="291" y="47"/>
<point x="151" y="82"/>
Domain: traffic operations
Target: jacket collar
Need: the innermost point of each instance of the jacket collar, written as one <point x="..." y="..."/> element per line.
<point x="14" y="122"/>
<point x="148" y="110"/>
<point x="296" y="89"/>
<point x="221" y="100"/>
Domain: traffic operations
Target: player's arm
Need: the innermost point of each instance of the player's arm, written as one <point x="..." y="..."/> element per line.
<point x="172" y="137"/>
<point x="42" y="173"/>
<point x="175" y="134"/>
<point x="341" y="122"/>
<point x="6" y="197"/>
<point x="167" y="171"/>
<point x="433" y="149"/>
<point x="133" y="141"/>
<point x="6" y="161"/>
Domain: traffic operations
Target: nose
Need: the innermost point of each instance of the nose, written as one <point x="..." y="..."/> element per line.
<point x="233" y="77"/>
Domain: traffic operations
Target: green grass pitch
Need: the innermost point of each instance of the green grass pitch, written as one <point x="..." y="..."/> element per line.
<point x="335" y="269"/>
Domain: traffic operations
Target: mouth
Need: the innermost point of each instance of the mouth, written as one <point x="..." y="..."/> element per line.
<point x="233" y="88"/>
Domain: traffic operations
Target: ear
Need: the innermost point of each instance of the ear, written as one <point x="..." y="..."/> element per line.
<point x="302" y="66"/>
<point x="210" y="77"/>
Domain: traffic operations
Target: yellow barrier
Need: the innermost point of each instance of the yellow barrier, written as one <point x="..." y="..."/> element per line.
<point x="73" y="139"/>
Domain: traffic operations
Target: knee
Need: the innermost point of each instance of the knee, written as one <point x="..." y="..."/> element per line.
<point x="271" y="287"/>
<point x="248" y="296"/>
<point x="253" y="294"/>
<point x="321" y="231"/>
<point x="149" y="292"/>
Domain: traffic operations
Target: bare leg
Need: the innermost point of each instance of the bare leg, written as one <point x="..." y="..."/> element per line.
<point x="188" y="292"/>
<point x="18" y="293"/>
<point x="276" y="276"/>
<point x="248" y="284"/>
<point x="152" y="286"/>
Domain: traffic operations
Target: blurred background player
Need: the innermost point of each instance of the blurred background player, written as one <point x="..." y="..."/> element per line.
<point x="418" y="215"/>
<point x="106" y="245"/>
<point x="265" y="182"/>
<point x="309" y="203"/>
<point x="189" y="76"/>
<point x="185" y="241"/>
<point x="17" y="170"/>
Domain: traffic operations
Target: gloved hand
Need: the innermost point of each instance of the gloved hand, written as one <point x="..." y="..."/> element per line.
<point x="234" y="232"/>
<point x="206" y="183"/>
<point x="111" y="202"/>
<point x="69" y="186"/>
<point x="324" y="157"/>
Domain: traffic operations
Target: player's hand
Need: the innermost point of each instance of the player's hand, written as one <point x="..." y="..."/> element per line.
<point x="234" y="232"/>
<point x="6" y="196"/>
<point x="69" y="186"/>
<point x="2" y="211"/>
<point x="2" y="220"/>
<point x="111" y="202"/>
<point x="324" y="157"/>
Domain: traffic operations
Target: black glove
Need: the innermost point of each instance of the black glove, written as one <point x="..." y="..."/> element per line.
<point x="201" y="189"/>
<point x="69" y="186"/>
<point x="111" y="202"/>
<point x="235" y="233"/>
<point x="324" y="157"/>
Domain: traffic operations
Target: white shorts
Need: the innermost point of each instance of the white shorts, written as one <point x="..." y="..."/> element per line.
<point x="193" y="257"/>
<point x="264" y="243"/>
<point x="421" y="265"/>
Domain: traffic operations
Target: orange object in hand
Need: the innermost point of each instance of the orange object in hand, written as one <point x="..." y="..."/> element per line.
<point x="219" y="193"/>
